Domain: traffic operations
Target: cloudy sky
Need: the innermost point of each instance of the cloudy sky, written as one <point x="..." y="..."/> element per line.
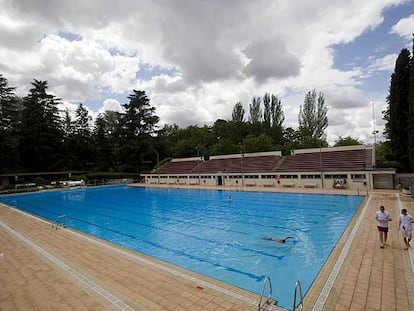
<point x="195" y="59"/>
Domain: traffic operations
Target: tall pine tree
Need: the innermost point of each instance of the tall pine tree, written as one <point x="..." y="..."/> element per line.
<point x="397" y="128"/>
<point x="313" y="120"/>
<point x="138" y="125"/>
<point x="83" y="138"/>
<point x="41" y="133"/>
<point x="411" y="114"/>
<point x="8" y="126"/>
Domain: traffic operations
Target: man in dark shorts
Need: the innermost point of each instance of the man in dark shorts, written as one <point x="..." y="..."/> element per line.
<point x="382" y="218"/>
<point x="278" y="240"/>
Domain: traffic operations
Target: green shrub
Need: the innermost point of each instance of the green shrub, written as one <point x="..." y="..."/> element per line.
<point x="39" y="181"/>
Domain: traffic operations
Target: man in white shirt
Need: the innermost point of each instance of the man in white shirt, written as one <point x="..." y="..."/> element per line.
<point x="382" y="218"/>
<point x="405" y="225"/>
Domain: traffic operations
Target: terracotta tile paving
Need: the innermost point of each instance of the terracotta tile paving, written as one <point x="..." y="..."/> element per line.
<point x="28" y="281"/>
<point x="371" y="278"/>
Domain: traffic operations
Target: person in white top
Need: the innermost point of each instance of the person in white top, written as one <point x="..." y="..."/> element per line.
<point x="405" y="225"/>
<point x="382" y="218"/>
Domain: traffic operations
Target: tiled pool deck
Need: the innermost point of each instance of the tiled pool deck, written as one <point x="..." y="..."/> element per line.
<point x="47" y="269"/>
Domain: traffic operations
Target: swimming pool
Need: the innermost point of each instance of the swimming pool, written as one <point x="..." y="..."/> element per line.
<point x="204" y="231"/>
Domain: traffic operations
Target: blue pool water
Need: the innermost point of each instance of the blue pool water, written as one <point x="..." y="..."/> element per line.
<point x="201" y="230"/>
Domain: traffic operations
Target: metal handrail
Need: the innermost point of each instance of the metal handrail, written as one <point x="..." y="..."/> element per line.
<point x="297" y="285"/>
<point x="267" y="279"/>
<point x="61" y="221"/>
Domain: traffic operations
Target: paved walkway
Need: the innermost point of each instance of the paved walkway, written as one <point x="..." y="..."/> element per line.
<point x="373" y="278"/>
<point x="47" y="269"/>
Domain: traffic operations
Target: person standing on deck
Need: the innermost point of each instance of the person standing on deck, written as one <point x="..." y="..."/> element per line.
<point x="383" y="218"/>
<point x="405" y="225"/>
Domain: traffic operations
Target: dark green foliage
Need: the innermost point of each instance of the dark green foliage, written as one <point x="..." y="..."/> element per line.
<point x="9" y="114"/>
<point x="384" y="157"/>
<point x="347" y="141"/>
<point x="277" y="112"/>
<point x="256" y="116"/>
<point x="238" y="113"/>
<point x="138" y="124"/>
<point x="106" y="132"/>
<point x="411" y="114"/>
<point x="398" y="109"/>
<point x="41" y="131"/>
<point x="130" y="141"/>
<point x="39" y="181"/>
<point x="267" y="112"/>
<point x="399" y="129"/>
<point x="82" y="139"/>
<point x="313" y="119"/>
<point x="255" y="111"/>
<point x="277" y="119"/>
<point x="260" y="143"/>
<point x="291" y="140"/>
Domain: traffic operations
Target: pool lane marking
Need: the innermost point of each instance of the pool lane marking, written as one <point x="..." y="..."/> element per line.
<point x="399" y="207"/>
<point x="183" y="253"/>
<point x="323" y="296"/>
<point x="77" y="275"/>
<point x="155" y="265"/>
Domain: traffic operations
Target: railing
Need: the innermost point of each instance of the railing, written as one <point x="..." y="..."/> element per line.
<point x="61" y="221"/>
<point x="298" y="285"/>
<point x="269" y="298"/>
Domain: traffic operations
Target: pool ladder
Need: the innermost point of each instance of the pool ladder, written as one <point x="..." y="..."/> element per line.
<point x="269" y="299"/>
<point x="61" y="221"/>
<point x="298" y="285"/>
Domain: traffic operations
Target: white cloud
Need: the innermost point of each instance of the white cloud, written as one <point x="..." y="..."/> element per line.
<point x="404" y="27"/>
<point x="111" y="104"/>
<point x="386" y="63"/>
<point x="270" y="59"/>
<point x="219" y="52"/>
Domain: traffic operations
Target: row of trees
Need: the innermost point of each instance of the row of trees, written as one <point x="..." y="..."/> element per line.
<point x="399" y="114"/>
<point x="36" y="136"/>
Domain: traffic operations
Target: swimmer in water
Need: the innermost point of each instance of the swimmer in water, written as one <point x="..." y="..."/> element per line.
<point x="278" y="240"/>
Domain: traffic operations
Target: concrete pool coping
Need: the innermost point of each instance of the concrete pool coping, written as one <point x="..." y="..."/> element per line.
<point x="178" y="293"/>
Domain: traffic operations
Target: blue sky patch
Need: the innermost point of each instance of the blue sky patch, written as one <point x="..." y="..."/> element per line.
<point x="371" y="42"/>
<point x="147" y="72"/>
<point x="70" y="36"/>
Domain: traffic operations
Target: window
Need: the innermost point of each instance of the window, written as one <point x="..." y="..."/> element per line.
<point x="310" y="176"/>
<point x="358" y="176"/>
<point x="336" y="176"/>
<point x="288" y="176"/>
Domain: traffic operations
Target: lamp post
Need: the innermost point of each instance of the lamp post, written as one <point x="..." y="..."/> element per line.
<point x="241" y="163"/>
<point x="374" y="132"/>
<point x="320" y="161"/>
<point x="158" y="164"/>
<point x="320" y="158"/>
